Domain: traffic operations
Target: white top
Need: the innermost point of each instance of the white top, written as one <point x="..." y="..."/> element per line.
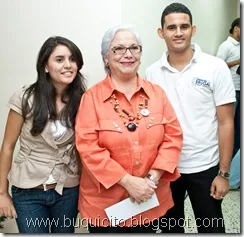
<point x="229" y="51"/>
<point x="58" y="131"/>
<point x="194" y="93"/>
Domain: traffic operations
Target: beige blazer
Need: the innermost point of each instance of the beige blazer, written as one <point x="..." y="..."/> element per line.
<point x="41" y="155"/>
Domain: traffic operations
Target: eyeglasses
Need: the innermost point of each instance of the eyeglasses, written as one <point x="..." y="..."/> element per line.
<point x="122" y="49"/>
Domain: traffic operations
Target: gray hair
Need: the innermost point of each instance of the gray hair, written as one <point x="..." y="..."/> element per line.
<point x="109" y="36"/>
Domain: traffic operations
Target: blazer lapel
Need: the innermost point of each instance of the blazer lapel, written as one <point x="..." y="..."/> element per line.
<point x="47" y="131"/>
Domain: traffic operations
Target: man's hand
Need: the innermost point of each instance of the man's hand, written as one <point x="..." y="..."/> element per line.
<point x="219" y="187"/>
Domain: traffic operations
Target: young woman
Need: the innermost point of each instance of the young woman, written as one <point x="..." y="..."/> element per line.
<point x="45" y="172"/>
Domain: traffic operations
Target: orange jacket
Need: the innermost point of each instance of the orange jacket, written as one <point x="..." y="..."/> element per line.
<point x="108" y="150"/>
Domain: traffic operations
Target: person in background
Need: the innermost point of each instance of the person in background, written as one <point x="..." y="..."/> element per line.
<point x="129" y="142"/>
<point x="45" y="173"/>
<point x="229" y="51"/>
<point x="201" y="91"/>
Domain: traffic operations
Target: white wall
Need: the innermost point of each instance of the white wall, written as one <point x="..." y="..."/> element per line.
<point x="26" y="24"/>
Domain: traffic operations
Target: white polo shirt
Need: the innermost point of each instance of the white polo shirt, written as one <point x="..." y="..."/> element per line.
<point x="229" y="51"/>
<point x="194" y="94"/>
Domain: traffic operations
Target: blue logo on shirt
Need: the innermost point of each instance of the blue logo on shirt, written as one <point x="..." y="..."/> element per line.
<point x="201" y="82"/>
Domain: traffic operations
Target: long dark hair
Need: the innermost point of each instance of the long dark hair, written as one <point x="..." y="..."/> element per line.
<point x="44" y="92"/>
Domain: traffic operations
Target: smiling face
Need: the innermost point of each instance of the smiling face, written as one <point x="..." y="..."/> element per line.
<point x="177" y="32"/>
<point x="61" y="67"/>
<point x="123" y="64"/>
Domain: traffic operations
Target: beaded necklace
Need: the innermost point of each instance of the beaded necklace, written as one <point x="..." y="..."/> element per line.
<point x="130" y="121"/>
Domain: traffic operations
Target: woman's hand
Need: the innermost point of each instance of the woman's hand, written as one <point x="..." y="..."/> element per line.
<point x="6" y="206"/>
<point x="139" y="189"/>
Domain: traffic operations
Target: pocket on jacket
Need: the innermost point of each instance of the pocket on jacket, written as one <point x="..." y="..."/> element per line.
<point x="110" y="125"/>
<point x="110" y="133"/>
<point x="155" y="127"/>
<point x="155" y="119"/>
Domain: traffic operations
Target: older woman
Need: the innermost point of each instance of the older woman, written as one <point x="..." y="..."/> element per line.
<point x="128" y="137"/>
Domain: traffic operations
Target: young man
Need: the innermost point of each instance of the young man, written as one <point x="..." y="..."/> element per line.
<point x="202" y="93"/>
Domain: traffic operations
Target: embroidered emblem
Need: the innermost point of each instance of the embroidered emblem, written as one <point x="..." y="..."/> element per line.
<point x="201" y="82"/>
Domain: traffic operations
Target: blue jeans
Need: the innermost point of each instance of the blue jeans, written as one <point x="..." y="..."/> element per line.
<point x="42" y="211"/>
<point x="235" y="171"/>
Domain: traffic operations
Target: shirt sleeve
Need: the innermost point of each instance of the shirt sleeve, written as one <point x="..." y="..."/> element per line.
<point x="223" y="86"/>
<point x="170" y="149"/>
<point x="96" y="160"/>
<point x="15" y="101"/>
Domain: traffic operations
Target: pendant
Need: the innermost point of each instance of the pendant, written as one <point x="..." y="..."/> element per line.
<point x="145" y="112"/>
<point x="131" y="127"/>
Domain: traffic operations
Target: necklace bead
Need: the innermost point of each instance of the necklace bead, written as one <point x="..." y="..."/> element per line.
<point x="131" y="127"/>
<point x="133" y="121"/>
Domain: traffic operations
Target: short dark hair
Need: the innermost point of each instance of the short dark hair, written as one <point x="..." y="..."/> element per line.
<point x="236" y="22"/>
<point x="175" y="8"/>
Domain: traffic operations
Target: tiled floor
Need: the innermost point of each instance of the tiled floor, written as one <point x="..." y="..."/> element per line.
<point x="231" y="211"/>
